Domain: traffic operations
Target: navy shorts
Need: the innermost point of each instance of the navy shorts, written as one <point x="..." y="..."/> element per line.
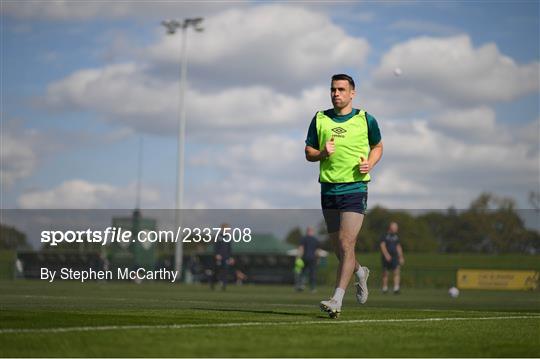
<point x="391" y="264"/>
<point x="333" y="205"/>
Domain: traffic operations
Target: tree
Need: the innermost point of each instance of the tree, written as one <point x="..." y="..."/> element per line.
<point x="12" y="239"/>
<point x="415" y="234"/>
<point x="293" y="237"/>
<point x="491" y="224"/>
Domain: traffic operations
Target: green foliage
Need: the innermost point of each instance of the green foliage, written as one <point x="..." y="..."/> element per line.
<point x="491" y="224"/>
<point x="11" y="238"/>
<point x="7" y="263"/>
<point x="415" y="234"/>
<point x="293" y="237"/>
<point x="434" y="270"/>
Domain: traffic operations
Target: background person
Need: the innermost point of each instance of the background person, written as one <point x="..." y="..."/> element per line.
<point x="298" y="268"/>
<point x="392" y="257"/>
<point x="222" y="261"/>
<point x="308" y="252"/>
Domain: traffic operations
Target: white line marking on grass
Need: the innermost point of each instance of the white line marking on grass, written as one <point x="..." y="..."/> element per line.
<point x="476" y="311"/>
<point x="250" y="324"/>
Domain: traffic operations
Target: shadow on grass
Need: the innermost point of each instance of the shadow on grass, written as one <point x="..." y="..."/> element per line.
<point x="252" y="311"/>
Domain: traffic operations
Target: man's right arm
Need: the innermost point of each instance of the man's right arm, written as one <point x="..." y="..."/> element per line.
<point x="312" y="150"/>
<point x="385" y="252"/>
<point x="300" y="252"/>
<point x="314" y="155"/>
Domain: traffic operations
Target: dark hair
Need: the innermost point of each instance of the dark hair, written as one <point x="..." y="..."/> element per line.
<point x="344" y="77"/>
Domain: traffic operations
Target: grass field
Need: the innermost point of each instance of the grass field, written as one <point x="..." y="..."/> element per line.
<point x="158" y="319"/>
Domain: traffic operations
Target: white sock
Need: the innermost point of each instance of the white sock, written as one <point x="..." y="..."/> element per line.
<point x="360" y="273"/>
<point x="338" y="295"/>
<point x="396" y="288"/>
<point x="385" y="288"/>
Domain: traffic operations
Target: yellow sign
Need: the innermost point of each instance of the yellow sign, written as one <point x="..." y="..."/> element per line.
<point x="497" y="279"/>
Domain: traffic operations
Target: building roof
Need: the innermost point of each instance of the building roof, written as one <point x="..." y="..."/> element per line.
<point x="260" y="243"/>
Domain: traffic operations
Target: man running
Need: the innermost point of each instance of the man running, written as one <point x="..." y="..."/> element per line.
<point x="347" y="144"/>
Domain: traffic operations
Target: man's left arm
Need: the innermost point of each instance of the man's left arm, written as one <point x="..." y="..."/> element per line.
<point x="375" y="144"/>
<point x="374" y="156"/>
<point x="400" y="255"/>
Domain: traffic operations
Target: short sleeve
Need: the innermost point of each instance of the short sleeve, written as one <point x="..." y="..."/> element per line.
<point x="374" y="134"/>
<point x="312" y="138"/>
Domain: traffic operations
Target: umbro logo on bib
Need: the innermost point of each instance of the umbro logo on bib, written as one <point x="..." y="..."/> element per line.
<point x="339" y="130"/>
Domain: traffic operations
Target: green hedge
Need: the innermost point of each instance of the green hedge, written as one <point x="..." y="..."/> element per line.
<point x="433" y="270"/>
<point x="7" y="263"/>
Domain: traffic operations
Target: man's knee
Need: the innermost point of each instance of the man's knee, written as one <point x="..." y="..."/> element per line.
<point x="346" y="246"/>
<point x="345" y="237"/>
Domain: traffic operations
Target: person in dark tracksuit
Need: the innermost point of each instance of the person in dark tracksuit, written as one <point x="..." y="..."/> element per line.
<point x="308" y="251"/>
<point x="222" y="261"/>
<point x="392" y="257"/>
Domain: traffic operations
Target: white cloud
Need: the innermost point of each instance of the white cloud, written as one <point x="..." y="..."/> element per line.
<point x="447" y="72"/>
<point x="530" y="136"/>
<point x="424" y="167"/>
<point x="261" y="73"/>
<point x="114" y="90"/>
<point x="275" y="44"/>
<point x="474" y="124"/>
<point x="81" y="194"/>
<point x="23" y="149"/>
<point x="271" y="155"/>
<point x="260" y="172"/>
<point x="287" y="47"/>
<point x="18" y="155"/>
<point x="126" y="94"/>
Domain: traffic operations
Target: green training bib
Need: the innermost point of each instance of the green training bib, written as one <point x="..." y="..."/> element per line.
<point x="351" y="142"/>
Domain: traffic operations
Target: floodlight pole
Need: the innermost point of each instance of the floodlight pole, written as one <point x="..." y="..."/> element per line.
<point x="172" y="26"/>
<point x="179" y="250"/>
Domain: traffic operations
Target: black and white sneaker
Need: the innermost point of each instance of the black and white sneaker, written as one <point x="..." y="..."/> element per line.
<point x="361" y="287"/>
<point x="332" y="307"/>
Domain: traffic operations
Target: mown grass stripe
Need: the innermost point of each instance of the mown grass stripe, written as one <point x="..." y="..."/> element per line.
<point x="253" y="324"/>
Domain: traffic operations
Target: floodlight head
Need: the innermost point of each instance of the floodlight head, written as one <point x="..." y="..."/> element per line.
<point x="197" y="23"/>
<point x="171" y="26"/>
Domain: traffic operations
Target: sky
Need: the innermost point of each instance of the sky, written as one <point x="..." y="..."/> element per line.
<point x="84" y="83"/>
